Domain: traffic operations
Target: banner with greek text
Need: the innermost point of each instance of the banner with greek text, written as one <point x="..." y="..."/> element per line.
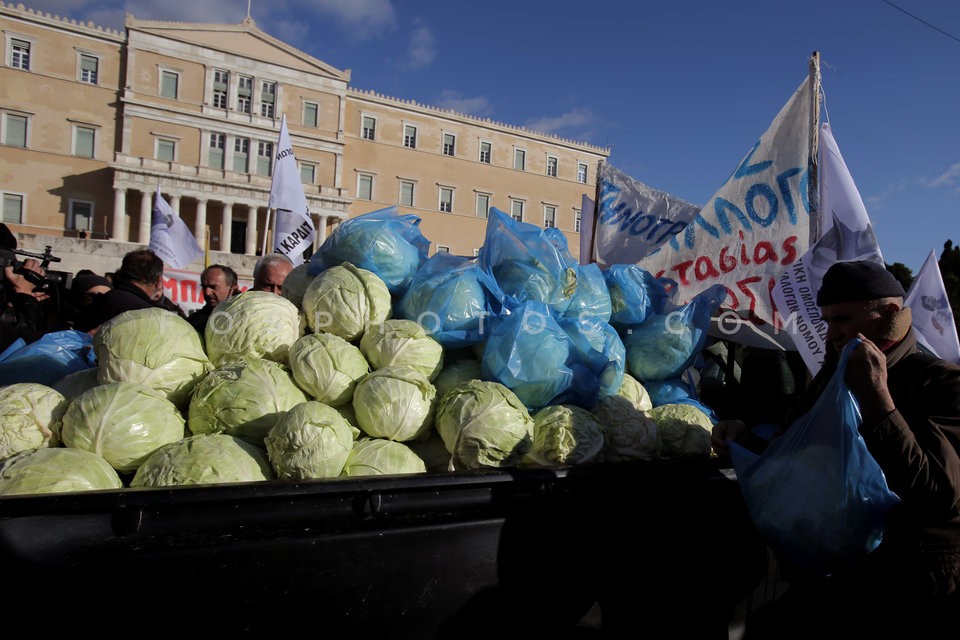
<point x="846" y="234"/>
<point x="633" y="219"/>
<point x="293" y="226"/>
<point x="756" y="225"/>
<point x="170" y="238"/>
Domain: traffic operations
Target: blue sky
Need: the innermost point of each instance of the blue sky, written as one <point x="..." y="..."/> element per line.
<point x="678" y="90"/>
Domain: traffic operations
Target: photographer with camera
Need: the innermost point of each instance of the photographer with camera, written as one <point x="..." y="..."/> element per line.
<point x="23" y="313"/>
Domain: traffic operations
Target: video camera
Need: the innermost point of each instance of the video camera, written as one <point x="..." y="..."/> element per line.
<point x="8" y="258"/>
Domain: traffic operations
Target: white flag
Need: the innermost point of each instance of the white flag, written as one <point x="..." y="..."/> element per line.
<point x="757" y="224"/>
<point x="293" y="229"/>
<point x="170" y="238"/>
<point x="633" y="219"/>
<point x="932" y="316"/>
<point x="846" y="234"/>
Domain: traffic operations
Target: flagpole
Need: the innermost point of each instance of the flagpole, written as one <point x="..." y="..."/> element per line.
<point x="596" y="214"/>
<point x="266" y="232"/>
<point x="813" y="189"/>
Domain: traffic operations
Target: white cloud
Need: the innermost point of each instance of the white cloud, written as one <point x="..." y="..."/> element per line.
<point x="573" y="120"/>
<point x="364" y="19"/>
<point x="478" y="106"/>
<point x="422" y="48"/>
<point x="947" y="179"/>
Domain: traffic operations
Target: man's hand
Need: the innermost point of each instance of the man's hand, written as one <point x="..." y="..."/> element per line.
<point x="866" y="377"/>
<point x="724" y="432"/>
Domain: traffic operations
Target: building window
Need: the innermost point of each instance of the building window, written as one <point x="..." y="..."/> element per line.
<point x="310" y="114"/>
<point x="221" y="88"/>
<point x="20" y="54"/>
<point x="449" y="144"/>
<point x="308" y="173"/>
<point x="516" y="210"/>
<point x="577" y="220"/>
<point x="244" y="93"/>
<point x="365" y="186"/>
<point x="13" y="208"/>
<point x="368" y="128"/>
<point x="218" y="143"/>
<point x="264" y="158"/>
<point x="169" y="84"/>
<point x="519" y="159"/>
<point x="442" y="248"/>
<point x="549" y="216"/>
<point x="89" y="68"/>
<point x="581" y="172"/>
<point x="80" y="216"/>
<point x="166" y="150"/>
<point x="84" y="141"/>
<point x="241" y="155"/>
<point x="268" y="98"/>
<point x="552" y="164"/>
<point x="14" y="130"/>
<point x="406" y="193"/>
<point x="446" y="199"/>
<point x="485" y="152"/>
<point x="483" y="205"/>
<point x="410" y="136"/>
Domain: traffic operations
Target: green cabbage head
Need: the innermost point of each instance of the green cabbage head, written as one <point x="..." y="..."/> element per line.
<point x="152" y="347"/>
<point x="311" y="441"/>
<point x="243" y="399"/>
<point x="73" y="384"/>
<point x="484" y="424"/>
<point x="453" y="373"/>
<point x="295" y="284"/>
<point x="395" y="402"/>
<point x="122" y="422"/>
<point x="628" y="432"/>
<point x="254" y="324"/>
<point x="327" y="367"/>
<point x="635" y="392"/>
<point x="344" y="300"/>
<point x="56" y="470"/>
<point x="564" y="435"/>
<point x="209" y="458"/>
<point x="378" y="457"/>
<point x="682" y="430"/>
<point x="30" y="415"/>
<point x="399" y="341"/>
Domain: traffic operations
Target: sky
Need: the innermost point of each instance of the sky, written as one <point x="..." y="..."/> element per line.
<point x="679" y="91"/>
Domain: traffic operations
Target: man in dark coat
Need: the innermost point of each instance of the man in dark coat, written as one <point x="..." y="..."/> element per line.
<point x="138" y="284"/>
<point x="217" y="282"/>
<point x="910" y="408"/>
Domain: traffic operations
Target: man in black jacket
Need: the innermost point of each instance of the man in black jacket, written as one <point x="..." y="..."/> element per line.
<point x="22" y="310"/>
<point x="138" y="284"/>
<point x="217" y="282"/>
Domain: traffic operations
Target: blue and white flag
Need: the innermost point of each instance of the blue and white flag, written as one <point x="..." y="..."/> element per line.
<point x="932" y="317"/>
<point x="170" y="238"/>
<point x="845" y="234"/>
<point x="293" y="229"/>
<point x="632" y="219"/>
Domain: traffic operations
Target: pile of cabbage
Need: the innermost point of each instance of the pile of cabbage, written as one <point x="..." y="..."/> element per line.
<point x="376" y="360"/>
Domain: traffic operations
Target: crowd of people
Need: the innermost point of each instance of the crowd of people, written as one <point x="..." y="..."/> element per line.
<point x="28" y="312"/>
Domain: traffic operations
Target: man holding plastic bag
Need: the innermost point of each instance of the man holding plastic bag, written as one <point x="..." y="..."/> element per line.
<point x="908" y="403"/>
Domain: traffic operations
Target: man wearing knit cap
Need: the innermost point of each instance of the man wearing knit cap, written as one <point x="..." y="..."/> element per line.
<point x="910" y="408"/>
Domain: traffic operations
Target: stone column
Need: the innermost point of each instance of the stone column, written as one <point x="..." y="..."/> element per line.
<point x="146" y="218"/>
<point x="226" y="233"/>
<point x="175" y="205"/>
<point x="200" y="232"/>
<point x="119" y="231"/>
<point x="250" y="244"/>
<point x="321" y="232"/>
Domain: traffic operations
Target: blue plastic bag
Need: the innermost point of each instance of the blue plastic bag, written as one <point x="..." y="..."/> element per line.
<point x="635" y="293"/>
<point x="816" y="494"/>
<point x="452" y="299"/>
<point x="591" y="300"/>
<point x="47" y="360"/>
<point x="598" y="360"/>
<point x="388" y="244"/>
<point x="528" y="263"/>
<point x="527" y="351"/>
